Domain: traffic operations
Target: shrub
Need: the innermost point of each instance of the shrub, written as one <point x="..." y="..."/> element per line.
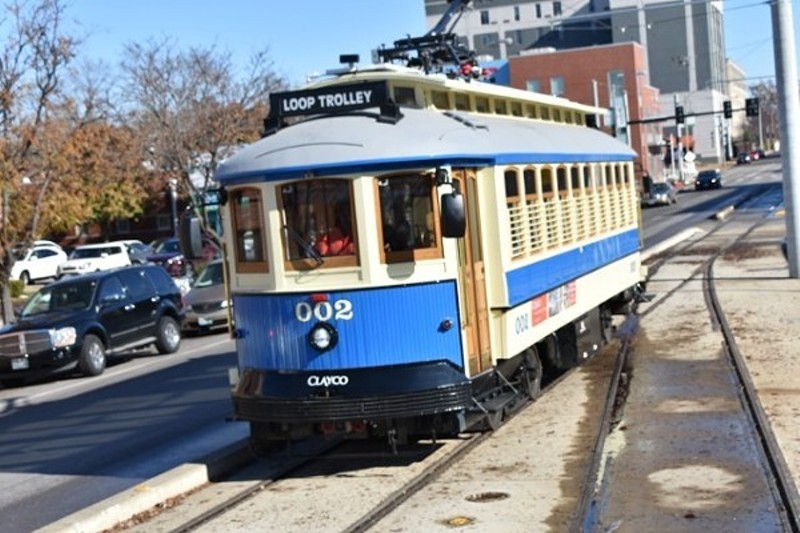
<point x="17" y="287"/>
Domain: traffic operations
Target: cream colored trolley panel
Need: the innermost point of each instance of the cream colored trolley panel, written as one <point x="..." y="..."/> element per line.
<point x="531" y="321"/>
<point x="494" y="227"/>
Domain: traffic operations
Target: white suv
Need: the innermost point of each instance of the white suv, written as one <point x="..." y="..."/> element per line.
<point x="94" y="257"/>
<point x="39" y="262"/>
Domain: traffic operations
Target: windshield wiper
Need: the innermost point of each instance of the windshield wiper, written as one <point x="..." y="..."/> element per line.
<point x="307" y="248"/>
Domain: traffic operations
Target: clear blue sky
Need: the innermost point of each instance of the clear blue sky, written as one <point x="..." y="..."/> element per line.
<point x="304" y="36"/>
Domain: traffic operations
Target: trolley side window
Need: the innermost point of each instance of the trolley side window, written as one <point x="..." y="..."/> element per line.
<point x="319" y="228"/>
<point x="248" y="230"/>
<point x="409" y="228"/>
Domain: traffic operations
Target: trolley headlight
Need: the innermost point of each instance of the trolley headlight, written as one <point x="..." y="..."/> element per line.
<point x="322" y="336"/>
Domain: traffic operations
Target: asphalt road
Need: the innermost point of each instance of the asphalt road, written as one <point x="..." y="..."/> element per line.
<point x="71" y="442"/>
<point x="663" y="222"/>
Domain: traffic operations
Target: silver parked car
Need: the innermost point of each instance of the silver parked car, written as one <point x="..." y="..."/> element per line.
<point x="661" y="193"/>
<point x="206" y="304"/>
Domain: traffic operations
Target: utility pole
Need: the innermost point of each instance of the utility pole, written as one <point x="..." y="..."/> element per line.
<point x="173" y="201"/>
<point x="786" y="78"/>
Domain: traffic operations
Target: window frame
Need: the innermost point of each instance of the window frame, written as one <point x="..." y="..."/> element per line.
<point x="243" y="266"/>
<point x="403" y="256"/>
<point x="328" y="261"/>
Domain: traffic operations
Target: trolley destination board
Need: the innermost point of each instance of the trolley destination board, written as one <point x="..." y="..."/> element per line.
<point x="327" y="100"/>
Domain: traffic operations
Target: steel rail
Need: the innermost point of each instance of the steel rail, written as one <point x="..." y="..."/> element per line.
<point x="781" y="479"/>
<point x="581" y="518"/>
<point x="250" y="491"/>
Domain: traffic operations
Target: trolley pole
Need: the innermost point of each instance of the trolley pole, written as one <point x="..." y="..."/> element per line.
<point x="786" y="79"/>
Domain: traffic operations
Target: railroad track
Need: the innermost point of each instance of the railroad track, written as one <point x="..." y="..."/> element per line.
<point x="322" y="477"/>
<point x="697" y="424"/>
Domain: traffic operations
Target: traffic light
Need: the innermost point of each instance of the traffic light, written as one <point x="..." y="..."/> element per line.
<point x="680" y="117"/>
<point x="727" y="109"/>
<point x="751" y="107"/>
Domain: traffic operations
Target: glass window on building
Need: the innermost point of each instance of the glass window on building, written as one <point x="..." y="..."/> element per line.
<point x="533" y="86"/>
<point x="556" y="9"/>
<point x="485" y="17"/>
<point x="516" y="12"/>
<point x="618" y="104"/>
<point x="538" y="11"/>
<point x="557" y="86"/>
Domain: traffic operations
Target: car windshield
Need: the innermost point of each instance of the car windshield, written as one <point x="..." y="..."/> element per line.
<point x="660" y="187"/>
<point x="167" y="246"/>
<point x="212" y="275"/>
<point x="89" y="253"/>
<point x="65" y="296"/>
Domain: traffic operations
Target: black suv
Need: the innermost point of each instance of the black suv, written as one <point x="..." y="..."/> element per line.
<point x="79" y="321"/>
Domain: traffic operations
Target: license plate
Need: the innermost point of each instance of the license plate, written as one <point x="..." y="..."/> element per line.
<point x="204" y="322"/>
<point x="20" y="363"/>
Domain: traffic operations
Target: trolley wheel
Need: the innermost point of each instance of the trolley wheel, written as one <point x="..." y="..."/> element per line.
<point x="607" y="324"/>
<point x="494" y="419"/>
<point x="531" y="372"/>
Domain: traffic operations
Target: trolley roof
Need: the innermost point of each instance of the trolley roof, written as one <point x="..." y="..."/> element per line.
<point x="358" y="142"/>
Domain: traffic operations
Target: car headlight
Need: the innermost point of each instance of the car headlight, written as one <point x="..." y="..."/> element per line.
<point x="63" y="337"/>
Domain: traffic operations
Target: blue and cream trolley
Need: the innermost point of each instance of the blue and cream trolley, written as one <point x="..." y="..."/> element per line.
<point x="407" y="252"/>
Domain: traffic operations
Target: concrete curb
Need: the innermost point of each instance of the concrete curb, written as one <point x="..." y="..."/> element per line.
<point x="669" y="243"/>
<point x="725" y="213"/>
<point x="120" y="507"/>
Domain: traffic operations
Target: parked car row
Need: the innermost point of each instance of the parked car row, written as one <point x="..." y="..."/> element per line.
<point x="46" y="259"/>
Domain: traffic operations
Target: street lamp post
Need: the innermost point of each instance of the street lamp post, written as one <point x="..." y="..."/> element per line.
<point x="173" y="198"/>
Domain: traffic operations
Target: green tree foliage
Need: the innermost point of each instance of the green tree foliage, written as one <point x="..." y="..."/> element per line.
<point x="34" y="53"/>
<point x="62" y="163"/>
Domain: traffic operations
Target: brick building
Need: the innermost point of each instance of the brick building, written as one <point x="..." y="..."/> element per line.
<point x="611" y="76"/>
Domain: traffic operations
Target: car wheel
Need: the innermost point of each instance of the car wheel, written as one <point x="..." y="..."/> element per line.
<point x="25" y="278"/>
<point x="168" y="336"/>
<point x="92" y="361"/>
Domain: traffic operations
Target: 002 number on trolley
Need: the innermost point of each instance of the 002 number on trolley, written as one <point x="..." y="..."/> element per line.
<point x="324" y="311"/>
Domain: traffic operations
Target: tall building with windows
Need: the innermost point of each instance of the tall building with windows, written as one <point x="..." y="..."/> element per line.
<point x="683" y="39"/>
